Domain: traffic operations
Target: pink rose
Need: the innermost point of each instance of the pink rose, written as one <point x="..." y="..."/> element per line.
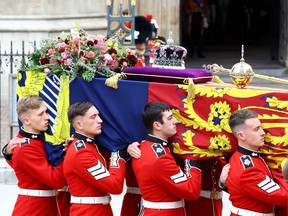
<point x="47" y="70"/>
<point x="61" y="47"/>
<point x="108" y="57"/>
<point x="76" y="40"/>
<point x="113" y="64"/>
<point x="64" y="55"/>
<point x="68" y="62"/>
<point x="124" y="64"/>
<point x="54" y="60"/>
<point x="50" y="51"/>
<point x="101" y="62"/>
<point x="90" y="54"/>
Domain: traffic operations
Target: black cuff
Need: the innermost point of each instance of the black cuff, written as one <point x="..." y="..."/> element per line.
<point x="195" y="163"/>
<point x="124" y="154"/>
<point x="222" y="186"/>
<point x="6" y="156"/>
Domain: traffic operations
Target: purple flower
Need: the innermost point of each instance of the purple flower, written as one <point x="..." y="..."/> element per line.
<point x="158" y="52"/>
<point x="112" y="50"/>
<point x="90" y="43"/>
<point x="44" y="60"/>
<point x="169" y="52"/>
<point x="68" y="62"/>
<point x="179" y="52"/>
<point x="64" y="55"/>
<point x="132" y="59"/>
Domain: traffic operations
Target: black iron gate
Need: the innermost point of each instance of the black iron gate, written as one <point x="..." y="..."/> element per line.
<point x="11" y="60"/>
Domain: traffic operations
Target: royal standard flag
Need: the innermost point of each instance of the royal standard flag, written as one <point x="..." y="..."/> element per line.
<point x="203" y="130"/>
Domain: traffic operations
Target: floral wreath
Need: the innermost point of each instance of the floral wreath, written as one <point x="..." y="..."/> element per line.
<point x="78" y="54"/>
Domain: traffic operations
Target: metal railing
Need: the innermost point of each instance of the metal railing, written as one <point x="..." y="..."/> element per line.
<point x="12" y="58"/>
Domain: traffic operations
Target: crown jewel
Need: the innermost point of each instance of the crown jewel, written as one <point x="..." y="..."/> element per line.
<point x="170" y="55"/>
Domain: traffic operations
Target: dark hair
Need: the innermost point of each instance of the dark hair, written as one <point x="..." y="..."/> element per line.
<point x="239" y="117"/>
<point x="78" y="109"/>
<point x="153" y="112"/>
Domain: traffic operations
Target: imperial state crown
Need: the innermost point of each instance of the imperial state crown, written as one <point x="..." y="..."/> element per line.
<point x="169" y="56"/>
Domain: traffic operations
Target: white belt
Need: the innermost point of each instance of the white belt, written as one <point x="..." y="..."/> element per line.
<point x="64" y="189"/>
<point x="91" y="200"/>
<point x="37" y="193"/>
<point x="163" y="205"/>
<point x="216" y="195"/>
<point x="133" y="190"/>
<point x="245" y="212"/>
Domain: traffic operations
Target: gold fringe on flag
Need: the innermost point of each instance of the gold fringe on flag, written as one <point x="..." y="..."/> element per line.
<point x="191" y="89"/>
<point x="113" y="81"/>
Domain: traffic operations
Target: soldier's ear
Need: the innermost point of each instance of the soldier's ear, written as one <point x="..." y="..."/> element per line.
<point x="78" y="125"/>
<point x="241" y="135"/>
<point x="157" y="125"/>
<point x="25" y="120"/>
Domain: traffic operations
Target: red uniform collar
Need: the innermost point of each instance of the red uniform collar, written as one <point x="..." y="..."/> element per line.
<point x="27" y="134"/>
<point x="84" y="138"/>
<point x="246" y="151"/>
<point x="155" y="139"/>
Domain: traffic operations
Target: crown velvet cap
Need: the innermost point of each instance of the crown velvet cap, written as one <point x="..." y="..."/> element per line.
<point x="168" y="75"/>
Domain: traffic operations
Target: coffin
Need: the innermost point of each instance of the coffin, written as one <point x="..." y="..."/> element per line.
<point x="203" y="130"/>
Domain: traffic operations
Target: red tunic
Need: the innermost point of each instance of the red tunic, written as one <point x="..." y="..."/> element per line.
<point x="84" y="180"/>
<point x="211" y="170"/>
<point x="63" y="199"/>
<point x="33" y="172"/>
<point x="131" y="201"/>
<point x="161" y="180"/>
<point x="251" y="185"/>
<point x="280" y="210"/>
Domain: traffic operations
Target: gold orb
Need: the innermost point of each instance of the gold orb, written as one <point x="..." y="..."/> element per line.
<point x="241" y="74"/>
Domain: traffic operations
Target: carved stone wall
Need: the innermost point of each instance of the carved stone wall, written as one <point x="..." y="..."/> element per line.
<point x="283" y="43"/>
<point x="166" y="13"/>
<point x="31" y="21"/>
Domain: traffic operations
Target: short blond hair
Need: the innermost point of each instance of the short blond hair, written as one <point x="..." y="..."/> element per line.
<point x="27" y="103"/>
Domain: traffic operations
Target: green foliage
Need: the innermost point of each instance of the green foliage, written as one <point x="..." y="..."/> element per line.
<point x="78" y="54"/>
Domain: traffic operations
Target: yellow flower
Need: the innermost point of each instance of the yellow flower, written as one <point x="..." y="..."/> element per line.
<point x="109" y="43"/>
<point x="116" y="45"/>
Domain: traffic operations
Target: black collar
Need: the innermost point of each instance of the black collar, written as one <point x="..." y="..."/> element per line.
<point x="246" y="151"/>
<point x="84" y="138"/>
<point x="24" y="133"/>
<point x="155" y="139"/>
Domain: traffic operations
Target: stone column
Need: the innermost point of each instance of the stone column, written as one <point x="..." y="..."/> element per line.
<point x="283" y="43"/>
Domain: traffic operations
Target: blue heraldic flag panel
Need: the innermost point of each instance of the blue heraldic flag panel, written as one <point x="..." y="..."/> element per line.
<point x="120" y="109"/>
